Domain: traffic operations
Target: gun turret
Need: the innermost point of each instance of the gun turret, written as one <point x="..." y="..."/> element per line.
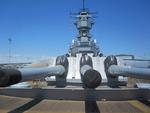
<point x="113" y="71"/>
<point x="112" y="80"/>
<point x="12" y="76"/>
<point x="90" y="77"/>
<point x="63" y="61"/>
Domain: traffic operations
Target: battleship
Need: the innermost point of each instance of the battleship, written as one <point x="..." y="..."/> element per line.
<point x="82" y="80"/>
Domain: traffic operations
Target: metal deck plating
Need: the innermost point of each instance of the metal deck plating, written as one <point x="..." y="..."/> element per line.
<point x="79" y="93"/>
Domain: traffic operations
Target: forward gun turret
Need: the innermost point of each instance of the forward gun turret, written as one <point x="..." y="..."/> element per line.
<point x="90" y="77"/>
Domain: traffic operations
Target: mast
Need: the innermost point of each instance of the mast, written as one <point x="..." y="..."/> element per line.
<point x="83" y="5"/>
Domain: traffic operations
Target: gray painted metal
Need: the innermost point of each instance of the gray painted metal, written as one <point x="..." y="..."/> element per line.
<point x="136" y="63"/>
<point x="38" y="73"/>
<point x="141" y="73"/>
<point x="84" y="69"/>
<point x="61" y="80"/>
<point x="80" y="94"/>
<point x="12" y="76"/>
<point x="112" y="80"/>
<point x="90" y="77"/>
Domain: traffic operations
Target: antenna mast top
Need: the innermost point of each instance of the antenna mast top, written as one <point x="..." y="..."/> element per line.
<point x="83" y="5"/>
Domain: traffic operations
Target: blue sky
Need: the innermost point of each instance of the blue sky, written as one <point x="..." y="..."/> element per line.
<point x="44" y="27"/>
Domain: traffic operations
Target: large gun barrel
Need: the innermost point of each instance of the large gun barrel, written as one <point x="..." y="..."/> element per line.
<point x="140" y="73"/>
<point x="113" y="71"/>
<point x="13" y="76"/>
<point x="90" y="77"/>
